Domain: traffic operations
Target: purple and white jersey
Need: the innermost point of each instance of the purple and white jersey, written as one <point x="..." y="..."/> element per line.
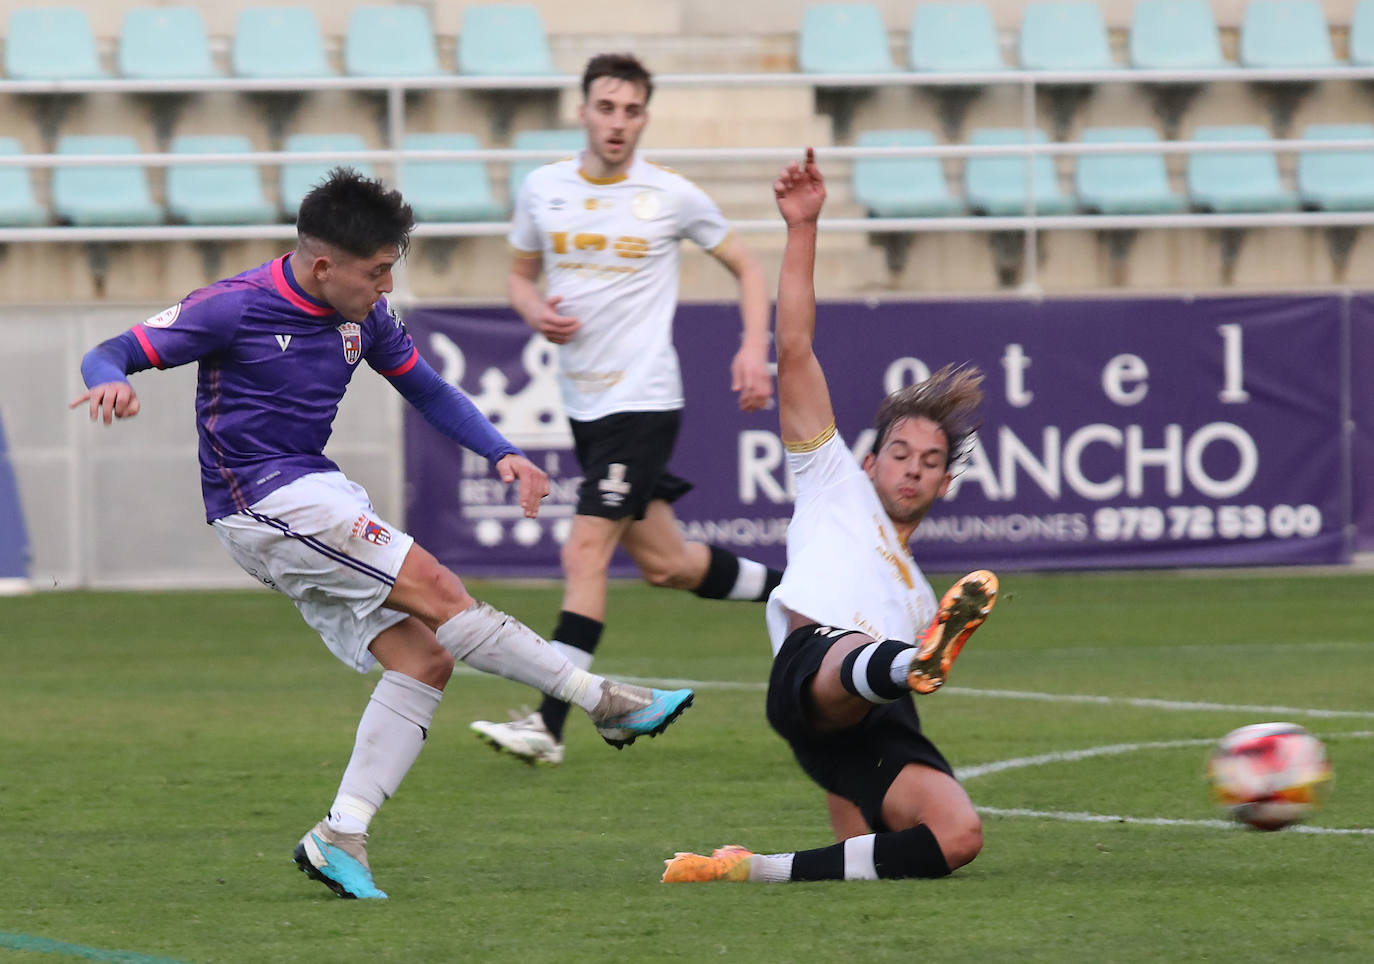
<point x="274" y="363"/>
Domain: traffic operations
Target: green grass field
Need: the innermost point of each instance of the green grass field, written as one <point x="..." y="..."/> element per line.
<point x="162" y="753"/>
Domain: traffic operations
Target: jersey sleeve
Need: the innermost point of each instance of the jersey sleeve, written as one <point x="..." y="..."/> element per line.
<point x="200" y="324"/>
<point x="701" y="219"/>
<point x="392" y="351"/>
<point x="524" y="237"/>
<point x="821" y="463"/>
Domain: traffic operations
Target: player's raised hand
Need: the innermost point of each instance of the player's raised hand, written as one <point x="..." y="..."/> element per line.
<point x="555" y="327"/>
<point x="109" y="401"/>
<point x="750" y="377"/>
<point x="800" y="191"/>
<point x="533" y="481"/>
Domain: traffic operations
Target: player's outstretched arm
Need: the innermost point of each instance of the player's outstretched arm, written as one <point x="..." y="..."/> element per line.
<point x="533" y="481"/>
<point x="109" y="401"/>
<point x="104" y="369"/>
<point x="804" y="410"/>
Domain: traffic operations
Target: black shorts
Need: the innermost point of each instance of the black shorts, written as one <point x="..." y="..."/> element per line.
<point x="861" y="762"/>
<point x="624" y="460"/>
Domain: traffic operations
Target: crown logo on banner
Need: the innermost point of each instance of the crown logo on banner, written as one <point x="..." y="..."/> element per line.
<point x="531" y="418"/>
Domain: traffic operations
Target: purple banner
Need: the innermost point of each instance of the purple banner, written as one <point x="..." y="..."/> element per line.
<point x="1362" y="419"/>
<point x="1117" y="433"/>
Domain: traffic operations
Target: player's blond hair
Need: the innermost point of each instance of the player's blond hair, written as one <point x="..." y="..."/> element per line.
<point x="949" y="398"/>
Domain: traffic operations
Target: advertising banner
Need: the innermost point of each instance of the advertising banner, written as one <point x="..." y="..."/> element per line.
<point x="1116" y="433"/>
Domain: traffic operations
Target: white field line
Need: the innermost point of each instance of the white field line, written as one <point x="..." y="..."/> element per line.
<point x="1070" y="816"/>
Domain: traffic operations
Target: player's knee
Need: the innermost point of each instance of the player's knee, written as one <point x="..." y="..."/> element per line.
<point x="961" y="842"/>
<point x="655" y="573"/>
<point x="435" y="668"/>
<point x="581" y="557"/>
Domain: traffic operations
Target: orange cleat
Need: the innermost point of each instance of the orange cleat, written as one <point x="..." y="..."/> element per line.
<point x="730" y="862"/>
<point x="962" y="610"/>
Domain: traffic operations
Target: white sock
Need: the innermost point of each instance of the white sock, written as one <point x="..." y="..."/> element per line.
<point x="493" y="642"/>
<point x="770" y="868"/>
<point x="578" y="657"/>
<point x="750" y="581"/>
<point x="858" y="858"/>
<point x="390" y="736"/>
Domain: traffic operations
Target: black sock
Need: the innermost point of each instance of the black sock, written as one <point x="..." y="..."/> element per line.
<point x="913" y="852"/>
<point x="823" y="863"/>
<point x="867" y="671"/>
<point x="579" y="632"/>
<point x="730" y="577"/>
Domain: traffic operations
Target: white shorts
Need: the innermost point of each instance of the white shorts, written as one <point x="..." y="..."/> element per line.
<point x="319" y="541"/>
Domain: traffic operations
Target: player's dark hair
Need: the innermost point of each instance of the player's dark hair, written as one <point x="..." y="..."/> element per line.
<point x="949" y="398"/>
<point x="355" y="214"/>
<point x="620" y="66"/>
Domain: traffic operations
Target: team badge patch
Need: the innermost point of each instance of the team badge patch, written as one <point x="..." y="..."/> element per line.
<point x="373" y="532"/>
<point x="352" y="334"/>
<point x="165" y="317"/>
<point x="646" y="205"/>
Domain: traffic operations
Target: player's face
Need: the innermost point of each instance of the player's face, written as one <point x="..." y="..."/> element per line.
<point x="614" y="115"/>
<point x="910" y="470"/>
<point x="353" y="285"/>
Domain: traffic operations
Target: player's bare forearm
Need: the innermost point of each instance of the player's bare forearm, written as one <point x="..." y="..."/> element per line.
<point x="524" y="294"/>
<point x="749" y="374"/>
<point x="804" y="398"/>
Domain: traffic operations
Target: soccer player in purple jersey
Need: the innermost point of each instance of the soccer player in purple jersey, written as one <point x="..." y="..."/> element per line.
<point x="276" y="347"/>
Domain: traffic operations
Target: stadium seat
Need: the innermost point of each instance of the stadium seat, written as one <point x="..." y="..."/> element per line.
<point x="51" y="43"/>
<point x="391" y="41"/>
<point x="1337" y="180"/>
<point x="953" y="38"/>
<point x="1285" y="33"/>
<point x="1236" y="182"/>
<point x="279" y="41"/>
<point x="18" y="206"/>
<point x="225" y="193"/>
<point x="502" y="40"/>
<point x="164" y="42"/>
<point x="448" y="190"/>
<point x="997" y="185"/>
<point x="1174" y="34"/>
<point x="1362" y="34"/>
<point x="1064" y="35"/>
<point x="901" y="187"/>
<point x="298" y="177"/>
<point x="844" y="38"/>
<point x="571" y="141"/>
<point x="115" y="194"/>
<point x="1124" y="183"/>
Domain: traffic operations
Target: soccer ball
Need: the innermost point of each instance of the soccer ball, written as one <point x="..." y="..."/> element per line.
<point x="1269" y="775"/>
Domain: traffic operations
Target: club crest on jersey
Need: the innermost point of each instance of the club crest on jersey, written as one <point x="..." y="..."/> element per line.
<point x="374" y="532"/>
<point x="352" y="334"/>
<point x="165" y="317"/>
<point x="646" y="205"/>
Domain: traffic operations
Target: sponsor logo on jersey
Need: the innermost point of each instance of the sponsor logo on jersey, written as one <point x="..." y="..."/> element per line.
<point x="373" y="532"/>
<point x="352" y="334"/>
<point x="646" y="205"/>
<point x="165" y="317"/>
<point x="556" y="204"/>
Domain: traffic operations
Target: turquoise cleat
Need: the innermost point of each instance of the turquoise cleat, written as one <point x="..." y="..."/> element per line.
<point x="339" y="861"/>
<point x="648" y="719"/>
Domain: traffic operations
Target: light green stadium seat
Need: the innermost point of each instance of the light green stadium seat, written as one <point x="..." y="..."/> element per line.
<point x="115" y="194"/>
<point x="18" y="206"/>
<point x="502" y="40"/>
<point x="448" y="190"/>
<point x="571" y="141"/>
<point x="1337" y="180"/>
<point x="1285" y="33"/>
<point x="51" y="43"/>
<point x="1067" y="35"/>
<point x="1236" y="182"/>
<point x="1362" y="34"/>
<point x="997" y="185"/>
<point x="298" y="177"/>
<point x="901" y="187"/>
<point x="952" y="38"/>
<point x="391" y="41"/>
<point x="164" y="42"/>
<point x="844" y="38"/>
<point x="1175" y="34"/>
<point x="225" y="193"/>
<point x="282" y="41"/>
<point x="1124" y="183"/>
